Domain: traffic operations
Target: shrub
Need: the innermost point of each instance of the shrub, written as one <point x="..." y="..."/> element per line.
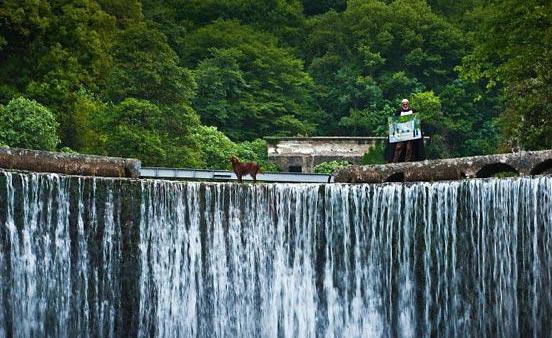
<point x="374" y="156"/>
<point x="330" y="167"/>
<point x="256" y="151"/>
<point x="216" y="149"/>
<point x="26" y="123"/>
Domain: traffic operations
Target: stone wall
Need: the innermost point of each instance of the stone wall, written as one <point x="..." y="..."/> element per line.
<point x="306" y="152"/>
<point x="520" y="163"/>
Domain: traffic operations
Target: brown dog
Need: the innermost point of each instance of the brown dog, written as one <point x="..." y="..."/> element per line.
<point x="242" y="169"/>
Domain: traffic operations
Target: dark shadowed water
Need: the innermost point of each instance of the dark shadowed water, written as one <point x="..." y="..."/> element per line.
<point x="98" y="257"/>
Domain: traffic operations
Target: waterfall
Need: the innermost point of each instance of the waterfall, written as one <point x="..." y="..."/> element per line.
<point x="103" y="257"/>
<point x="54" y="280"/>
<point x="470" y="258"/>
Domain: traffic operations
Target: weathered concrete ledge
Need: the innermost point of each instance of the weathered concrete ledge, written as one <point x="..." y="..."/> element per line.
<point x="520" y="163"/>
<point x="68" y="164"/>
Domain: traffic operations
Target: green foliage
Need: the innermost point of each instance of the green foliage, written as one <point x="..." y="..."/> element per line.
<point x="469" y="119"/>
<point x="511" y="44"/>
<point x="434" y="124"/>
<point x="330" y="167"/>
<point x="313" y="7"/>
<point x="25" y="123"/>
<point x="366" y="122"/>
<point x="452" y="8"/>
<point x="216" y="150"/>
<point x="428" y="106"/>
<point x="86" y="130"/>
<point x="484" y="141"/>
<point x="156" y="135"/>
<point x="51" y="51"/>
<point x="281" y="17"/>
<point x="287" y="125"/>
<point x="133" y="78"/>
<point x="126" y="12"/>
<point x="248" y="86"/>
<point x="68" y="150"/>
<point x="437" y="148"/>
<point x="256" y="151"/>
<point x="374" y="156"/>
<point x="147" y="68"/>
<point x="366" y="59"/>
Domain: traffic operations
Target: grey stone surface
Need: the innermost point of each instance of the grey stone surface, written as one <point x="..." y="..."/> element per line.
<point x="307" y="152"/>
<point x="522" y="163"/>
<point x="68" y="164"/>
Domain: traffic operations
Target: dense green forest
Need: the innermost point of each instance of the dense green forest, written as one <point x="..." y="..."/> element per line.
<point x="191" y="82"/>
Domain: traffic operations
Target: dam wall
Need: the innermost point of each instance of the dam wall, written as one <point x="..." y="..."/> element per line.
<point x="88" y="256"/>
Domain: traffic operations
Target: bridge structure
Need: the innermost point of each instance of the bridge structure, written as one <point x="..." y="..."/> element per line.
<point x="102" y="166"/>
<point x="518" y="163"/>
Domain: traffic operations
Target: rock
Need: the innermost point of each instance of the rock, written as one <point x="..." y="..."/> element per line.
<point x="68" y="164"/>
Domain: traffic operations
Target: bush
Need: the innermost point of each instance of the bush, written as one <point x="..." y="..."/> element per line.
<point x="330" y="167"/>
<point x="216" y="149"/>
<point x="374" y="156"/>
<point x="437" y="148"/>
<point x="26" y="123"/>
<point x="256" y="151"/>
<point x="68" y="150"/>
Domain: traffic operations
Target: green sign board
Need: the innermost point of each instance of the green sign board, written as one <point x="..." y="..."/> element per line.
<point x="404" y="128"/>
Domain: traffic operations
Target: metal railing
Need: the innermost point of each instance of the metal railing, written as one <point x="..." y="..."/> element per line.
<point x="222" y="175"/>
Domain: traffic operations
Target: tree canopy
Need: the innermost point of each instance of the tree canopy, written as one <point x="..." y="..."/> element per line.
<point x="167" y="81"/>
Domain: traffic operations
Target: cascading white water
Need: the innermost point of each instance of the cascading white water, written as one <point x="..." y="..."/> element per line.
<point x="45" y="290"/>
<point x="100" y="257"/>
<point x="466" y="259"/>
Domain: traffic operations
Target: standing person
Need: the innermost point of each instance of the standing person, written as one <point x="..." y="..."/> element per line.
<point x="406" y="151"/>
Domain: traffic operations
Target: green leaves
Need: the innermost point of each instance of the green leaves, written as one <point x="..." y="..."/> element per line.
<point x="367" y="121"/>
<point x="157" y="135"/>
<point x="249" y="87"/>
<point x="25" y="123"/>
<point x="216" y="150"/>
<point x="135" y="78"/>
<point x="330" y="167"/>
<point x="146" y="67"/>
<point x="52" y="51"/>
<point x="511" y="54"/>
<point x="374" y="54"/>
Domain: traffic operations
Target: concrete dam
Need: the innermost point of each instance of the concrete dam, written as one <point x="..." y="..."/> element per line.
<point x="117" y="257"/>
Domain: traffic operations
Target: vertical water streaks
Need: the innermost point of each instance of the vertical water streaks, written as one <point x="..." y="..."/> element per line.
<point x="37" y="226"/>
<point x="170" y="282"/>
<point x="250" y="274"/>
<point x="58" y="275"/>
<point x="458" y="259"/>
